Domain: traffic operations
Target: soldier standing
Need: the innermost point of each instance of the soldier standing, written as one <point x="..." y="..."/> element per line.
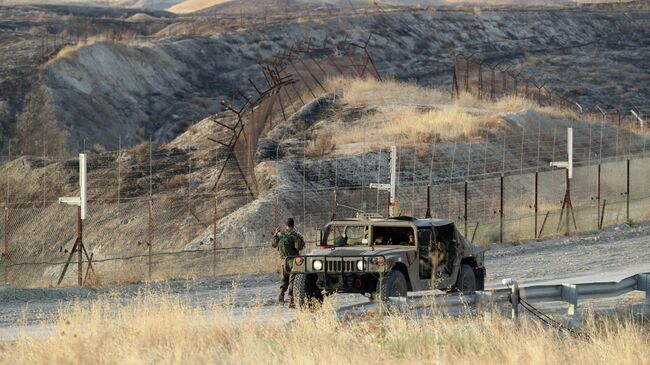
<point x="289" y="243"/>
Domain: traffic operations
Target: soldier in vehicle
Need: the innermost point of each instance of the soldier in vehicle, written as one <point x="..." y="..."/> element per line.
<point x="411" y="239"/>
<point x="289" y="243"/>
<point x="379" y="240"/>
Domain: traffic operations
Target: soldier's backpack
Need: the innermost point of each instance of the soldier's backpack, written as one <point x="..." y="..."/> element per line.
<point x="290" y="243"/>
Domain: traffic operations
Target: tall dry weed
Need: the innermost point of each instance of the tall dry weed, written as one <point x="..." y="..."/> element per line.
<point x="406" y="113"/>
<point x="161" y="328"/>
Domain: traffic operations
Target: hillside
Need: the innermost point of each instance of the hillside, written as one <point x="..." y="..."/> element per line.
<point x="144" y="4"/>
<point x="483" y="139"/>
<point x="184" y="78"/>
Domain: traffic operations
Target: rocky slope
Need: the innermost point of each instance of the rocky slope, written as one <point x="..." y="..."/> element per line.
<point x="158" y="88"/>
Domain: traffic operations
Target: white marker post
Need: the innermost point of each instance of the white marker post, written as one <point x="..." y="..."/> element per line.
<point x="392" y="186"/>
<point x="568" y="165"/>
<point x="81" y="201"/>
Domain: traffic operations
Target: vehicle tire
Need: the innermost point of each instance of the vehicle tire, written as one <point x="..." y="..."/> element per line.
<point x="306" y="292"/>
<point x="393" y="285"/>
<point x="466" y="280"/>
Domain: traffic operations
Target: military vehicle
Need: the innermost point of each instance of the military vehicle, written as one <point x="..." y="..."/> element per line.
<point x="387" y="257"/>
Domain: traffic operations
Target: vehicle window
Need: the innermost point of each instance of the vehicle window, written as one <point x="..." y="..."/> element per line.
<point x="338" y="235"/>
<point x="402" y="236"/>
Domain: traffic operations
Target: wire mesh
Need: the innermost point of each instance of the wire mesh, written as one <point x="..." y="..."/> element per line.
<point x="152" y="208"/>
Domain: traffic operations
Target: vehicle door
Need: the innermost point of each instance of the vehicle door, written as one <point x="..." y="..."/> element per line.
<point x="446" y="244"/>
<point x="425" y="244"/>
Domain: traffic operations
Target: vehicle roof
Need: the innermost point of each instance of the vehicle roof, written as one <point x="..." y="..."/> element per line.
<point x="420" y="222"/>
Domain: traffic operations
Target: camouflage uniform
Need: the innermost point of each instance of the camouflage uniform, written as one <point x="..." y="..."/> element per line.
<point x="288" y="243"/>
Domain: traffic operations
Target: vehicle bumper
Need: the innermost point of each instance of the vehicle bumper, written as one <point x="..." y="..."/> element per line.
<point x="340" y="273"/>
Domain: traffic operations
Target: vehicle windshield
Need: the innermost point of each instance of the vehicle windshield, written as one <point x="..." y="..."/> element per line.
<point x="346" y="235"/>
<point x="339" y="235"/>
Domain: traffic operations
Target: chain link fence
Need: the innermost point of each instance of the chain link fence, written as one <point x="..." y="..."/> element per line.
<point x="156" y="213"/>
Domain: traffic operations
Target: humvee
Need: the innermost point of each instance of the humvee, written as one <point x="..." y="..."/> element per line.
<point x="387" y="257"/>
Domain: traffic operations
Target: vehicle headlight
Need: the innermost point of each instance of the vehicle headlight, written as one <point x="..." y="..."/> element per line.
<point x="361" y="265"/>
<point x="317" y="265"/>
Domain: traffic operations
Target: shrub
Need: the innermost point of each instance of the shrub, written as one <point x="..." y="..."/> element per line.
<point x="177" y="182"/>
<point x="321" y="146"/>
<point x="141" y="152"/>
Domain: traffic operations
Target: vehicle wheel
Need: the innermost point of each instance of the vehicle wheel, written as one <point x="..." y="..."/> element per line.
<point x="393" y="285"/>
<point x="305" y="291"/>
<point x="466" y="281"/>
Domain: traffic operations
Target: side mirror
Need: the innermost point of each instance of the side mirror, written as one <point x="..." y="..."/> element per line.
<point x="320" y="237"/>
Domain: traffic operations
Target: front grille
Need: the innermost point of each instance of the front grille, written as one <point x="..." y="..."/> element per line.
<point x="345" y="265"/>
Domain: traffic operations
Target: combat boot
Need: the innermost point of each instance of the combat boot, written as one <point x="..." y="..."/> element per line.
<point x="281" y="297"/>
<point x="291" y="303"/>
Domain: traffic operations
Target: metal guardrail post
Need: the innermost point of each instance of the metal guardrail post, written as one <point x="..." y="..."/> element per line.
<point x="570" y="295"/>
<point x="643" y="284"/>
<point x="514" y="296"/>
<point x="485" y="304"/>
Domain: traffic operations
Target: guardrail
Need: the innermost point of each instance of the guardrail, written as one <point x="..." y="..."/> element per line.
<point x="485" y="301"/>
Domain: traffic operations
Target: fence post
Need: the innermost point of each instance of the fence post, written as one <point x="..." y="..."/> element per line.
<point x="627" y="192"/>
<point x="465" y="209"/>
<point x="492" y="84"/>
<point x="78" y="246"/>
<point x="150" y="238"/>
<point x="455" y="93"/>
<point x="467" y="75"/>
<point x="598" y="225"/>
<point x="428" y="212"/>
<point x="5" y="238"/>
<point x="501" y="211"/>
<point x="480" y="80"/>
<point x="536" y="207"/>
<point x="214" y="238"/>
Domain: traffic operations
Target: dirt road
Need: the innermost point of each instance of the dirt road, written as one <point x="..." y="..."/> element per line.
<point x="610" y="255"/>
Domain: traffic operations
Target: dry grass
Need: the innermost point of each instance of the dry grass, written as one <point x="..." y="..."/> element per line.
<point x="407" y="113"/>
<point x="163" y="329"/>
<point x="371" y="92"/>
<point x="67" y="52"/>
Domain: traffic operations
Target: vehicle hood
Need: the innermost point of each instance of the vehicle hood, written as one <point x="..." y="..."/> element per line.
<point x="360" y="251"/>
